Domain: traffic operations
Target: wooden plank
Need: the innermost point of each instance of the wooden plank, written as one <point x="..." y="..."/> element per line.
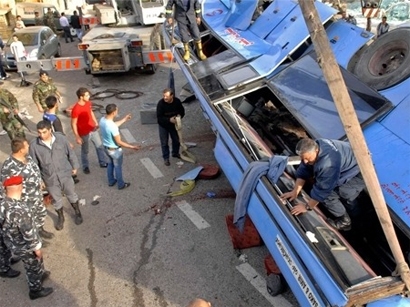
<point x="347" y="113"/>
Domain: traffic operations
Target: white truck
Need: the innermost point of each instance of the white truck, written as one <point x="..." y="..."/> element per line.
<point x="127" y="37"/>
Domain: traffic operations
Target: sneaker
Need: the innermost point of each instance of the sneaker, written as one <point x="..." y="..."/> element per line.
<point x="86" y="170"/>
<point x="104" y="165"/>
<point x="166" y="162"/>
<point x="3" y="132"/>
<point x="341" y="223"/>
<point x="112" y="184"/>
<point x="126" y="185"/>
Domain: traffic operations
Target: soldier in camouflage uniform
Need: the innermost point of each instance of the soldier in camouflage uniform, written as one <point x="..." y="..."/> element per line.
<point x="37" y="20"/>
<point x="20" y="235"/>
<point x="10" y="124"/>
<point x="21" y="164"/>
<point x="42" y="89"/>
<point x="49" y="20"/>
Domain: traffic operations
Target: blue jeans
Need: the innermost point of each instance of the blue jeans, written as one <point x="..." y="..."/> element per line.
<point x="94" y="137"/>
<point x="163" y="137"/>
<point x="114" y="168"/>
<point x="79" y="33"/>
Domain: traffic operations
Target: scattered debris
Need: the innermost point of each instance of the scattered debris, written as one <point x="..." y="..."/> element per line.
<point x="243" y="258"/>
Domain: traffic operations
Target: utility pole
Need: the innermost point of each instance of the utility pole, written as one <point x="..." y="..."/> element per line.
<point x="337" y="87"/>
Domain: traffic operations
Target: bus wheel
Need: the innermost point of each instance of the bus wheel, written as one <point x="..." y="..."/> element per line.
<point x="386" y="62"/>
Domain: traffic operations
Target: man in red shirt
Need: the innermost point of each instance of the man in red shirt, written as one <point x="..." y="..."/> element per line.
<point x="85" y="128"/>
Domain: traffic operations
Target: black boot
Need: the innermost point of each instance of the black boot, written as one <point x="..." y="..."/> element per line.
<point x="78" y="217"/>
<point x="14" y="259"/>
<point x="40" y="293"/>
<point x="44" y="233"/>
<point x="341" y="223"/>
<point x="10" y="273"/>
<point x="60" y="222"/>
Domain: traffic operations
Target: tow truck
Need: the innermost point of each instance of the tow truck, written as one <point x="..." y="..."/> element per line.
<point x="127" y="37"/>
<point x="262" y="90"/>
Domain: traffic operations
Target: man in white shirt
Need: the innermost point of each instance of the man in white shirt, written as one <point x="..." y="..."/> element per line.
<point x="18" y="50"/>
<point x="66" y="28"/>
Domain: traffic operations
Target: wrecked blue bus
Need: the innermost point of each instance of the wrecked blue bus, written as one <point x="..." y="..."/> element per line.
<point x="262" y="90"/>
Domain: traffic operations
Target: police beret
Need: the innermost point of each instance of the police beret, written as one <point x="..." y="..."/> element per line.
<point x="14" y="180"/>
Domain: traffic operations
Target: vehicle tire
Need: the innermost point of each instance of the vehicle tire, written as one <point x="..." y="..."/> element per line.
<point x="150" y="69"/>
<point x="386" y="62"/>
<point x="59" y="52"/>
<point x="275" y="284"/>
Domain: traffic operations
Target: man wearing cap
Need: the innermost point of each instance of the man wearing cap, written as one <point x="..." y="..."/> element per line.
<point x="57" y="162"/>
<point x="20" y="235"/>
<point x="10" y="124"/>
<point x="43" y="88"/>
<point x="21" y="164"/>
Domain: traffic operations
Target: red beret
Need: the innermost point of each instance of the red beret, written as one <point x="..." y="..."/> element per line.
<point x="14" y="180"/>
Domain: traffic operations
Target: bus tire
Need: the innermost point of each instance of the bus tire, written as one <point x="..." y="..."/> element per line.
<point x="386" y="62"/>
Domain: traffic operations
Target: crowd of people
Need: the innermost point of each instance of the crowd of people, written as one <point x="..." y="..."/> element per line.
<point x="48" y="165"/>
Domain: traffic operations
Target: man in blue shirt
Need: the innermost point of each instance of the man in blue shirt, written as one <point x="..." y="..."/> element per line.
<point x="336" y="175"/>
<point x="112" y="143"/>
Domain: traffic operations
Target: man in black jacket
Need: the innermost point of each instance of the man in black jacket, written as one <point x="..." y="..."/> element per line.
<point x="167" y="109"/>
<point x="188" y="16"/>
<point x="75" y="23"/>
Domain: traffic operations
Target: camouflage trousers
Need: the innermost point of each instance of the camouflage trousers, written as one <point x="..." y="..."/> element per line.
<point x="39" y="211"/>
<point x="34" y="269"/>
<point x="14" y="128"/>
<point x="5" y="255"/>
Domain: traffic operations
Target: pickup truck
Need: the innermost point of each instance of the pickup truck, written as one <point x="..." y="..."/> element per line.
<point x="262" y="90"/>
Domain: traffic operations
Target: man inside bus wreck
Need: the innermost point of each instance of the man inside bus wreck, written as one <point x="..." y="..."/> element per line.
<point x="336" y="175"/>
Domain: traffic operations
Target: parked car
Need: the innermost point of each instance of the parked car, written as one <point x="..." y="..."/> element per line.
<point x="40" y="43"/>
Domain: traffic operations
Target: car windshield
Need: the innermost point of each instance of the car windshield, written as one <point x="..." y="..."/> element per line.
<point x="28" y="39"/>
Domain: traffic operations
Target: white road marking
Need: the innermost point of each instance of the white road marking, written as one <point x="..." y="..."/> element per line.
<point x="127" y="136"/>
<point x="260" y="284"/>
<point x="195" y="218"/>
<point x="152" y="169"/>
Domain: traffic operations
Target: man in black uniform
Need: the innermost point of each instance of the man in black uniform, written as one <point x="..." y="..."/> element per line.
<point x="188" y="16"/>
<point x="167" y="109"/>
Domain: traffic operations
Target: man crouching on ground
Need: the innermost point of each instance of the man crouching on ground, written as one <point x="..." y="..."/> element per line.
<point x="57" y="162"/>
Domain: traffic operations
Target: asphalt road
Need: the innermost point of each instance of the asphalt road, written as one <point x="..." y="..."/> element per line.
<point x="137" y="247"/>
